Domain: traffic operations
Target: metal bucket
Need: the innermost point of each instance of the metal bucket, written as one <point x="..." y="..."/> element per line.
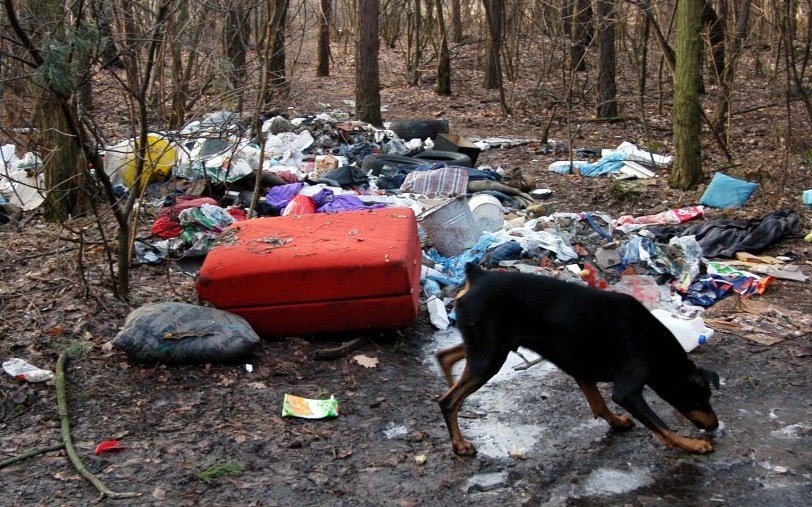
<point x="450" y="226"/>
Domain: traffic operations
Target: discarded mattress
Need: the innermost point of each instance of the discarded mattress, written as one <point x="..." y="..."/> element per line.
<point x="318" y="273"/>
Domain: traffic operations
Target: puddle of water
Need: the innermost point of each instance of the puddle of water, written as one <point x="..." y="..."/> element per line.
<point x="451" y="336"/>
<point x="486" y="482"/>
<point x="793" y="431"/>
<point x="394" y="430"/>
<point x="502" y="399"/>
<point x="610" y="481"/>
<point x="496" y="439"/>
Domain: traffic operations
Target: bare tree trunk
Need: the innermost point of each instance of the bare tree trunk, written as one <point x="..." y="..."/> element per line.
<point x="726" y="81"/>
<point x="456" y="21"/>
<point x="55" y="113"/>
<point x="444" y="59"/>
<point x="607" y="91"/>
<point x="687" y="170"/>
<point x="109" y="53"/>
<point x="275" y="69"/>
<point x="416" y="39"/>
<point x="236" y="35"/>
<point x="581" y="20"/>
<point x="367" y="78"/>
<point x="323" y="67"/>
<point x="716" y="35"/>
<point x="795" y="64"/>
<point x="494" y="14"/>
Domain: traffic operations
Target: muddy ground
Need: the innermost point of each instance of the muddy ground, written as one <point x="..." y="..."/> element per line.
<point x="537" y="441"/>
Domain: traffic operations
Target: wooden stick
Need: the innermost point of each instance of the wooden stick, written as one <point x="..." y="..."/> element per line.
<point x="62" y="404"/>
<point x="341" y="350"/>
<point x="31" y="454"/>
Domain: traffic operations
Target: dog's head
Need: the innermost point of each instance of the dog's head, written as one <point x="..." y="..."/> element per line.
<point x="691" y="398"/>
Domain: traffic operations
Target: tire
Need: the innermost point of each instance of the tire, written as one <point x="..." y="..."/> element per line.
<point x="418" y="129"/>
<point x="376" y="162"/>
<point x="449" y="157"/>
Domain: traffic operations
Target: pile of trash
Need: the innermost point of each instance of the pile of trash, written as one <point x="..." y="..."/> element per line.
<point x="201" y="179"/>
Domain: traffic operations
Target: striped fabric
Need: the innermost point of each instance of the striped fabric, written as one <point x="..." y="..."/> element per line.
<point x="446" y="181"/>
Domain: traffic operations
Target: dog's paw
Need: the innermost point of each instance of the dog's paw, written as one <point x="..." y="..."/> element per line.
<point x="464" y="448"/>
<point x="698" y="446"/>
<point x="622" y="423"/>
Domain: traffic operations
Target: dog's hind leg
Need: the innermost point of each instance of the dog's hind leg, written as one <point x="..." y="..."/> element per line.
<point x="448" y="358"/>
<point x="599" y="409"/>
<point x="474" y="376"/>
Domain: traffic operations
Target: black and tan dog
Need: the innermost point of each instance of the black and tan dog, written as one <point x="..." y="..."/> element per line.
<point x="593" y="335"/>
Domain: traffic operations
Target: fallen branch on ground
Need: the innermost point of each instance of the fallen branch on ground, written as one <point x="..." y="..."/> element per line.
<point x="342" y="349"/>
<point x="62" y="404"/>
<point x="31" y="454"/>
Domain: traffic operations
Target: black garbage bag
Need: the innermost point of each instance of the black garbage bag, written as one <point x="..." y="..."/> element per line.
<point x="181" y="333"/>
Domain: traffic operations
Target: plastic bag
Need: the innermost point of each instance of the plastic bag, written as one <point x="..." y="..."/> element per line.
<point x="299" y="205"/>
<point x="183" y="333"/>
<point x="21" y="370"/>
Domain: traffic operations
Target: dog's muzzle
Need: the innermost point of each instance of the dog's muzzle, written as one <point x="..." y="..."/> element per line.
<point x="702" y="420"/>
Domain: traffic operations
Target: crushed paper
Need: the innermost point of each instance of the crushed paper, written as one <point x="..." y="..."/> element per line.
<point x="757" y="321"/>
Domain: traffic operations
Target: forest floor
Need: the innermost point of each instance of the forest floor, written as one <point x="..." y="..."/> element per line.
<point x="538" y="443"/>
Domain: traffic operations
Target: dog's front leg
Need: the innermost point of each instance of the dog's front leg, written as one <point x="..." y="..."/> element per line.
<point x="599" y="409"/>
<point x="636" y="405"/>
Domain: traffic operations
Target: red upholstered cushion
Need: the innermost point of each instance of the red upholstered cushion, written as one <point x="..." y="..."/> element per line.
<point x="313" y="258"/>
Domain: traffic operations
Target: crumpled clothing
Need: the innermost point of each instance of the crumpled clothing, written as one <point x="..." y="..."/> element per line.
<point x="184" y="202"/>
<point x="166" y="227"/>
<point x="327" y="201"/>
<point x="446" y="181"/>
<point x="356" y="151"/>
<point x="711" y="288"/>
<point x="723" y="238"/>
<point x="280" y="195"/>
<point x="210" y="217"/>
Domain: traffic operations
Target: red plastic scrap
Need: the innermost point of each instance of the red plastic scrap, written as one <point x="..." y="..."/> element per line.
<point x="109" y="446"/>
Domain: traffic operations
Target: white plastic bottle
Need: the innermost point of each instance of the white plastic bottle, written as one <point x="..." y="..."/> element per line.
<point x="690" y="332"/>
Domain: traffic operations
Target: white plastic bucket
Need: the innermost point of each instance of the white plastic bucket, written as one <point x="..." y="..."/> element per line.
<point x="450" y="226"/>
<point x="487" y="211"/>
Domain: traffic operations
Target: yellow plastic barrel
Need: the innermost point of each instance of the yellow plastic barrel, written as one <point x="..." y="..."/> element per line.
<point x="159" y="158"/>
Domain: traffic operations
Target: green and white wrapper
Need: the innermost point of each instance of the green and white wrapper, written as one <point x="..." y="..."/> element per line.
<point x="296" y="406"/>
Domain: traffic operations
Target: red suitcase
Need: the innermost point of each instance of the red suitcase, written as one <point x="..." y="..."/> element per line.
<point x="318" y="273"/>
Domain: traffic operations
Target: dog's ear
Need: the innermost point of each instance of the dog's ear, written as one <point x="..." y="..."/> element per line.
<point x="710" y="377"/>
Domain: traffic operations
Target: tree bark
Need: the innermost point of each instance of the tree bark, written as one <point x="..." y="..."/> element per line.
<point x="416" y="38"/>
<point x="275" y="67"/>
<point x="687" y="170"/>
<point x="456" y="21"/>
<point x="367" y="79"/>
<point x="323" y="67"/>
<point x="716" y="36"/>
<point x="494" y="13"/>
<point x="236" y="35"/>
<point x="581" y="19"/>
<point x="607" y="90"/>
<point x="65" y="169"/>
<point x="444" y="59"/>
